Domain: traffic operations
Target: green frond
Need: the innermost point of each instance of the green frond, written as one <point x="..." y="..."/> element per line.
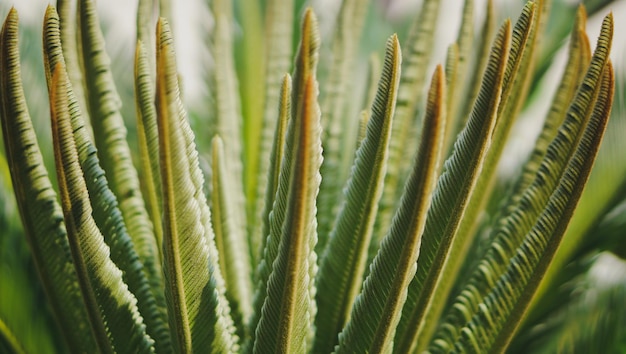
<point x="106" y="212"/>
<point x="450" y="199"/>
<point x="577" y="63"/>
<point x="305" y="64"/>
<point x="344" y="259"/>
<point x="110" y="137"/>
<point x="334" y="100"/>
<point x="279" y="33"/>
<point x="290" y="246"/>
<point x="148" y="141"/>
<point x="198" y="312"/>
<point x="453" y="86"/>
<point x="287" y="315"/>
<point x="513" y="84"/>
<point x="599" y="195"/>
<point x="535" y="253"/>
<point x="527" y="239"/>
<point x="419" y="44"/>
<point x="226" y="109"/>
<point x="231" y="245"/>
<point x="378" y="308"/>
<point x="251" y="70"/>
<point x="41" y="214"/>
<point x="66" y="10"/>
<point x="111" y="307"/>
<point x="575" y="68"/>
<point x="269" y="247"/>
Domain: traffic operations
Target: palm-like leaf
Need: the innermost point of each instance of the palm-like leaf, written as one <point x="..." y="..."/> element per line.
<point x="41" y="213"/>
<point x="111" y="307"/>
<point x="342" y="266"/>
<point x="377" y="310"/>
<point x="199" y="314"/>
<point x="293" y="232"/>
<point x="156" y="259"/>
<point x="451" y="197"/>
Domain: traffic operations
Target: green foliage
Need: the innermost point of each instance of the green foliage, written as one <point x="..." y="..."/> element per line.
<point x="292" y="238"/>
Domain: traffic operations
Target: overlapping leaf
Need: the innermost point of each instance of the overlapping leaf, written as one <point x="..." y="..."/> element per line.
<point x="529" y="236"/>
<point x="111" y="307"/>
<point x="377" y="309"/>
<point x="198" y="312"/>
<point x="41" y="214"/>
<point x="106" y="213"/>
<point x="452" y="195"/>
<point x="344" y="260"/>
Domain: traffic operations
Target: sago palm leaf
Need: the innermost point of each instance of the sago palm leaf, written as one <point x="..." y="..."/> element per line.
<point x="111" y="307"/>
<point x="287" y="315"/>
<point x="41" y="214"/>
<point x="513" y="85"/>
<point x="198" y="311"/>
<point x="343" y="262"/>
<point x="231" y="244"/>
<point x="491" y="305"/>
<point x="148" y="141"/>
<point x="110" y="137"/>
<point x="305" y="64"/>
<point x="348" y="30"/>
<point x="279" y="33"/>
<point x="452" y="195"/>
<point x="419" y="43"/>
<point x="106" y="213"/>
<point x="377" y="310"/>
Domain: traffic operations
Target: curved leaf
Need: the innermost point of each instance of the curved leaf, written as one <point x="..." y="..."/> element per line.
<point x="534" y="255"/>
<point x="106" y="214"/>
<point x="112" y="308"/>
<point x="344" y="259"/>
<point x="527" y="239"/>
<point x="377" y="310"/>
<point x="198" y="311"/>
<point x="110" y="136"/>
<point x="41" y="214"/>
<point x="513" y="86"/>
<point x="67" y="15"/>
<point x="451" y="197"/>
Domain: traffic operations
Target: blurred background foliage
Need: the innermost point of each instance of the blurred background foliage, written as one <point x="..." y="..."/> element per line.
<point x="582" y="309"/>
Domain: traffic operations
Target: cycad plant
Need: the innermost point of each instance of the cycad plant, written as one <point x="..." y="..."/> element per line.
<point x="287" y="221"/>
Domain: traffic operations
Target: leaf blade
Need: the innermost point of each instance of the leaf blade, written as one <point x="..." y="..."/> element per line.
<point x="343" y="263"/>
